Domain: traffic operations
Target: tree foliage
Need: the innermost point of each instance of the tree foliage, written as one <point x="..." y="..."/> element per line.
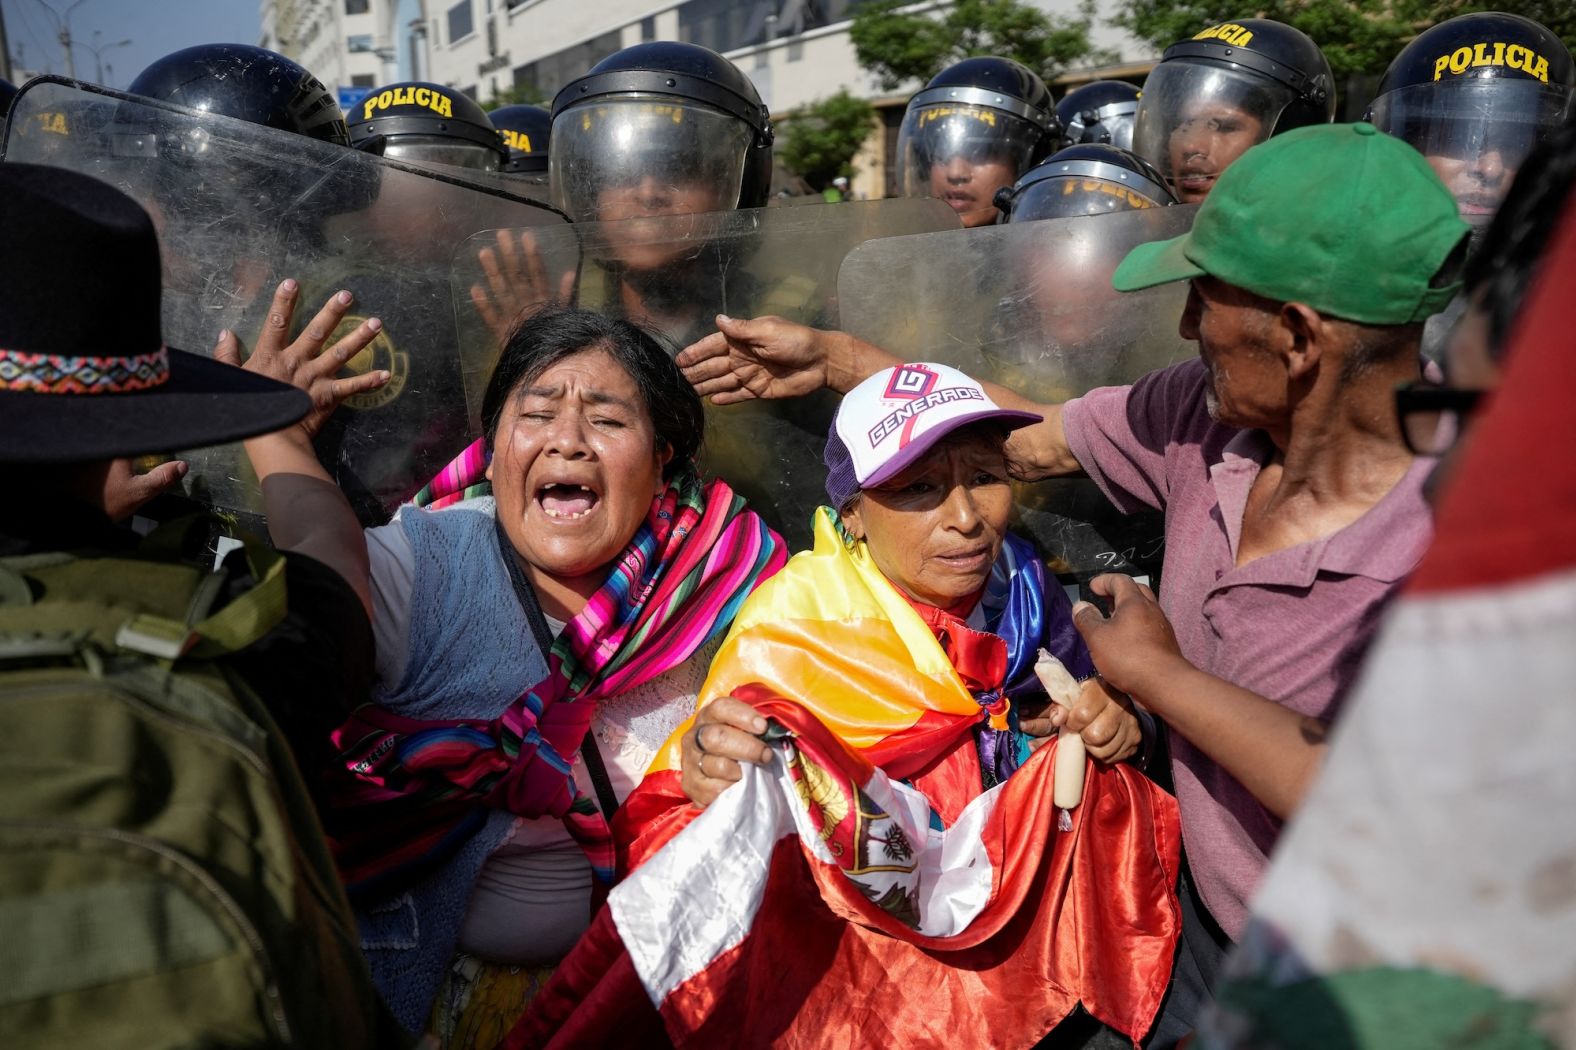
<point x="819" y="141"/>
<point x="1358" y="36"/>
<point x="899" y="46"/>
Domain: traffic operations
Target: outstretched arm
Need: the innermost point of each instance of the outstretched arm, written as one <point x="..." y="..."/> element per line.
<point x="306" y="511"/>
<point x="1272" y="750"/>
<point x="770" y="358"/>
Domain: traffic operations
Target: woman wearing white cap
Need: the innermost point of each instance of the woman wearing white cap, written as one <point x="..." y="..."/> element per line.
<point x="902" y="650"/>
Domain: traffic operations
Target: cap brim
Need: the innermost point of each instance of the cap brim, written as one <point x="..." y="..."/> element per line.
<point x="926" y="441"/>
<point x="204" y="402"/>
<point x="1155" y="263"/>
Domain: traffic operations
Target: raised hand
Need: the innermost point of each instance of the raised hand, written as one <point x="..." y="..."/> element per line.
<point x="766" y="357"/>
<point x="518" y="283"/>
<point x="304" y="363"/>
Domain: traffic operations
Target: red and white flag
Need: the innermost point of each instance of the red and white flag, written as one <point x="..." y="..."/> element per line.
<point x="813" y="904"/>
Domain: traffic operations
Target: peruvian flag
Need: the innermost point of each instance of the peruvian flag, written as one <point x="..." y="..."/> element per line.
<point x="814" y="904"/>
<point x="1425" y="895"/>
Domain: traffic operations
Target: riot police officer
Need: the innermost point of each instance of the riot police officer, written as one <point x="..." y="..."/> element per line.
<point x="1093" y="179"/>
<point x="526" y="131"/>
<point x="662" y="128"/>
<point x="427" y="124"/>
<point x="1230" y="87"/>
<point x="1101" y="111"/>
<point x="1474" y="95"/>
<point x="974" y="129"/>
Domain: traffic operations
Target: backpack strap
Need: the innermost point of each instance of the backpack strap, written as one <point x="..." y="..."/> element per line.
<point x="202" y="633"/>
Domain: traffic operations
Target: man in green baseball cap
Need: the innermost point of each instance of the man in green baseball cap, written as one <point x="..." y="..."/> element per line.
<point x="1293" y="507"/>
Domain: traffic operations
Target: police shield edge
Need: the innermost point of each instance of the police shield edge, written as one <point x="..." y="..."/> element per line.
<point x="673" y="274"/>
<point x="1030" y="306"/>
<point x="240" y="207"/>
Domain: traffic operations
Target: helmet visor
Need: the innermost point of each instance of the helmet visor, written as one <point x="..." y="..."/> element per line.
<point x="443" y="152"/>
<point x="963" y="154"/>
<point x="641" y="156"/>
<point x="1475" y="132"/>
<point x="1195" y="119"/>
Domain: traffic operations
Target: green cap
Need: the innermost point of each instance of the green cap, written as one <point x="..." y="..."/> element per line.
<point x="1340" y="217"/>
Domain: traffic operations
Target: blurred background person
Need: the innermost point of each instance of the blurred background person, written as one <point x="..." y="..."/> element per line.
<point x="1100" y="112"/>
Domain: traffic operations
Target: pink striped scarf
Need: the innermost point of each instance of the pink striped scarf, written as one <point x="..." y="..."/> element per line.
<point x="405" y="793"/>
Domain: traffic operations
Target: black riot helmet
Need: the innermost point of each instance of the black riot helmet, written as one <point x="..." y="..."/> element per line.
<point x="975" y="128"/>
<point x="247" y="83"/>
<point x="7" y="93"/>
<point x="1092" y="179"/>
<point x="661" y="128"/>
<point x="1474" y="95"/>
<point x="427" y="124"/>
<point x="1228" y="88"/>
<point x="1101" y="111"/>
<point x="525" y="132"/>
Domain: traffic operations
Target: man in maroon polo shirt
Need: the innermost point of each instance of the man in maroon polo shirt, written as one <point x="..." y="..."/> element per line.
<point x="1293" y="507"/>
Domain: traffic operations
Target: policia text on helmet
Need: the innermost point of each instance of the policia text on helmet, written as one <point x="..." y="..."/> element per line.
<point x="1474" y="95"/>
<point x="427" y="124"/>
<point x="1228" y="88"/>
<point x="974" y="129"/>
<point x="662" y="128"/>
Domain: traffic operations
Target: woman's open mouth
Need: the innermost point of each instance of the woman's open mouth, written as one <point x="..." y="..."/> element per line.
<point x="566" y="500"/>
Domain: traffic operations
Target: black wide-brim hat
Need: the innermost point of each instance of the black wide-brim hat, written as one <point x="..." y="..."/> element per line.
<point x="84" y="373"/>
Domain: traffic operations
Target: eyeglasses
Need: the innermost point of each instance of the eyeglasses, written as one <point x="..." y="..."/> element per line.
<point x="1432" y="415"/>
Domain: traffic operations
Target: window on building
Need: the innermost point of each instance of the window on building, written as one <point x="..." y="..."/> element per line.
<point x="461" y="21"/>
<point x="358" y="43"/>
<point x="648" y="29"/>
<point x="546" y="75"/>
<point x="357" y="7"/>
<point x="366" y="80"/>
<point x="724" y="25"/>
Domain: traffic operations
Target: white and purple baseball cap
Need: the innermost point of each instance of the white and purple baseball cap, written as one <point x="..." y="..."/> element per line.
<point x="889" y="421"/>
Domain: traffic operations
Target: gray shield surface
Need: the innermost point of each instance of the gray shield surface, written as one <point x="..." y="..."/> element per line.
<point x="1030" y="306"/>
<point x="240" y="207"/>
<point x="673" y="274"/>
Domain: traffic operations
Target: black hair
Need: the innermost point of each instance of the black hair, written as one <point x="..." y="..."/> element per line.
<point x="1506" y="260"/>
<point x="548" y="337"/>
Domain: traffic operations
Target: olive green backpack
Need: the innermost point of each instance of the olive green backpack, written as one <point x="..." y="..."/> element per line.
<point x="164" y="881"/>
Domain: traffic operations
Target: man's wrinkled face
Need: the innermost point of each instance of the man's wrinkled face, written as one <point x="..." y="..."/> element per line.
<point x="1210" y="136"/>
<point x="1247" y="383"/>
<point x="969" y="186"/>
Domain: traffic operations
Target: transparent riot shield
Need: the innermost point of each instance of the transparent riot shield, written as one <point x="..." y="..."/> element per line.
<point x="673" y="274"/>
<point x="240" y="207"/>
<point x="1030" y="306"/>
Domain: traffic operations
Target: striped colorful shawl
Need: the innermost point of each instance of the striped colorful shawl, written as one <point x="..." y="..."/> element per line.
<point x="406" y="793"/>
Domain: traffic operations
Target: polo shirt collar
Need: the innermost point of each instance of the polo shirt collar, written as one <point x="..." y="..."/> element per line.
<point x="1385" y="544"/>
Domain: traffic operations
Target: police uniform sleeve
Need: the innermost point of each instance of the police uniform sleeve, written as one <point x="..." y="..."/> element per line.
<point x="1124" y="436"/>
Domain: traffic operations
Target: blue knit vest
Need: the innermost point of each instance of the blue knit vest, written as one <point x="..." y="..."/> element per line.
<point x="472" y="652"/>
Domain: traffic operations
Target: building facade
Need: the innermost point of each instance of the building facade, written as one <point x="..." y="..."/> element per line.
<point x="795" y="51"/>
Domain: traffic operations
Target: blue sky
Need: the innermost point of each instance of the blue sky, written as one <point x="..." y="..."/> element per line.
<point x="154" y="27"/>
